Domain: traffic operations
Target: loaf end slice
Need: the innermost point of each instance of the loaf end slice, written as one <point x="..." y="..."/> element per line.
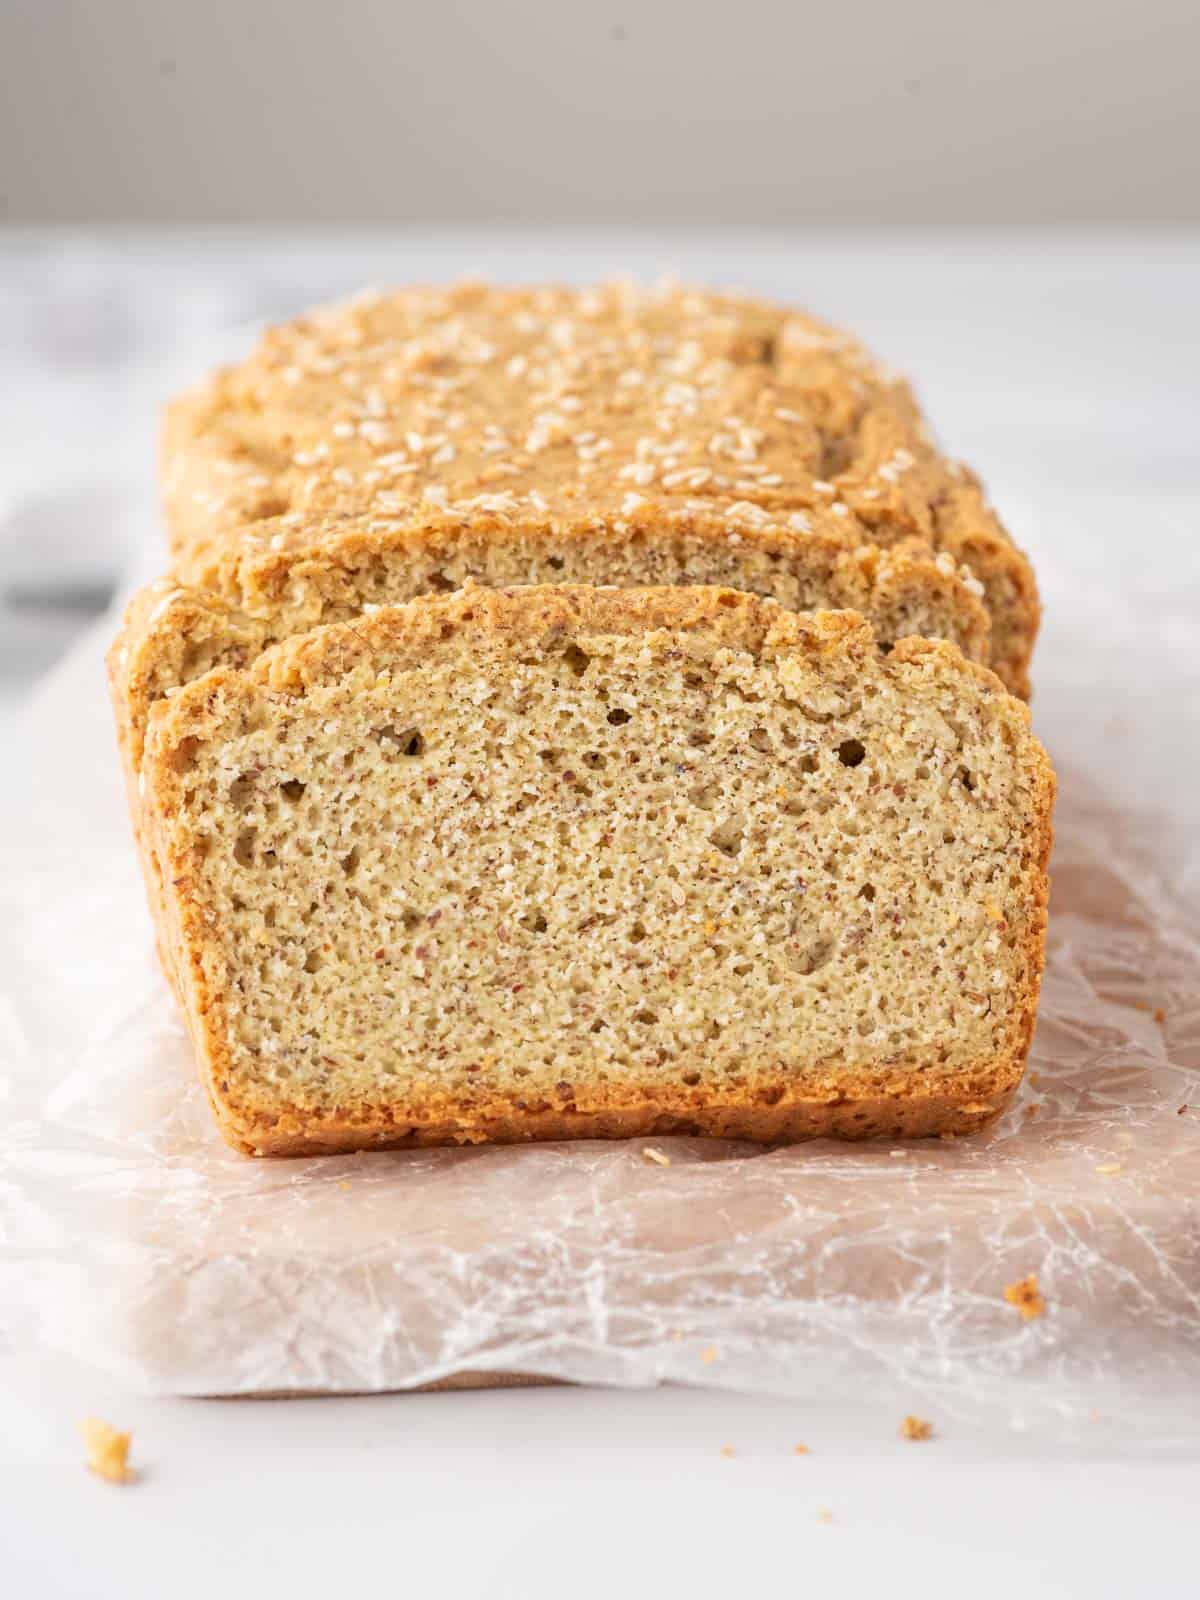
<point x="563" y="862"/>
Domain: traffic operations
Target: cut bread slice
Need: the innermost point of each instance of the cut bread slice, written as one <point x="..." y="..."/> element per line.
<point x="174" y="633"/>
<point x="564" y="862"/>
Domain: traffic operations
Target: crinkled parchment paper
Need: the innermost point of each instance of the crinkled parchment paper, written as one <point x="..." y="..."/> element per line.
<point x="130" y="1236"/>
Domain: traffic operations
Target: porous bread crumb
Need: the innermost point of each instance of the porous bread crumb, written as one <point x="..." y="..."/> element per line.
<point x="1024" y="1294"/>
<point x="657" y="1157"/>
<point x="1109" y="1168"/>
<point x="824" y="1514"/>
<point x="800" y="1450"/>
<point x="728" y="1450"/>
<point x="464" y="897"/>
<point x="709" y="1356"/>
<point x="107" y="1450"/>
<point x="916" y="1428"/>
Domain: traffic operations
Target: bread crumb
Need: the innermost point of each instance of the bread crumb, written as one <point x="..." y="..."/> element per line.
<point x="1160" y="1015"/>
<point x="824" y="1514"/>
<point x="1025" y="1296"/>
<point x="1109" y="1167"/>
<point x="710" y="1355"/>
<point x="728" y="1450"/>
<point x="800" y="1449"/>
<point x="916" y="1428"/>
<point x="656" y="1156"/>
<point x="1182" y="1109"/>
<point x="107" y="1450"/>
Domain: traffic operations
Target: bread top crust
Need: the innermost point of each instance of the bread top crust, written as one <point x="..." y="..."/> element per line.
<point x="640" y="410"/>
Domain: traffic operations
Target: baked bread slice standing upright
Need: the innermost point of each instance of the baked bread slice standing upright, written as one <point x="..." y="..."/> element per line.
<point x="573" y="862"/>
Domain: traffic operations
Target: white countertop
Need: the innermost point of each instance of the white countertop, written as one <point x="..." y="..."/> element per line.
<point x="1064" y="367"/>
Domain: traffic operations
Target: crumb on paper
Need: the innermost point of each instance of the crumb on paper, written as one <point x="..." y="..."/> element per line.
<point x="800" y="1449"/>
<point x="1108" y="1168"/>
<point x="710" y="1355"/>
<point x="107" y="1450"/>
<point x="824" y="1514"/>
<point x="1160" y="1015"/>
<point x="916" y="1428"/>
<point x="1024" y="1294"/>
<point x="727" y="1450"/>
<point x="1182" y="1109"/>
<point x="1095" y="1416"/>
<point x="656" y="1156"/>
<point x="343" y="1185"/>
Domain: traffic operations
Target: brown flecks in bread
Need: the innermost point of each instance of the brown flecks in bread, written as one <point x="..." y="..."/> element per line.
<point x="513" y="864"/>
<point x="107" y="1451"/>
<point x="1025" y="1295"/>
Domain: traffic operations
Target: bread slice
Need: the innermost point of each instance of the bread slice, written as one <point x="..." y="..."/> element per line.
<point x="569" y="862"/>
<point x="610" y="435"/>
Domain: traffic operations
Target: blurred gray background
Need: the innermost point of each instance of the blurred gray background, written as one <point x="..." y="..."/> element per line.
<point x="637" y="110"/>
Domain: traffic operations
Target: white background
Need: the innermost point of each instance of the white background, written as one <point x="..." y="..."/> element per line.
<point x="1064" y="367"/>
<point x="652" y="111"/>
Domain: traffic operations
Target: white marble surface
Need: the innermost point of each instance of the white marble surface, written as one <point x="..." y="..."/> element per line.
<point x="1064" y="367"/>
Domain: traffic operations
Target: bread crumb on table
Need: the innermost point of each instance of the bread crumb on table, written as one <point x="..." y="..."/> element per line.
<point x="824" y="1514"/>
<point x="801" y="1449"/>
<point x="1024" y="1294"/>
<point x="710" y="1355"/>
<point x="658" y="1158"/>
<point x="107" y="1450"/>
<point x="916" y="1428"/>
<point x="728" y="1450"/>
<point x="1109" y="1168"/>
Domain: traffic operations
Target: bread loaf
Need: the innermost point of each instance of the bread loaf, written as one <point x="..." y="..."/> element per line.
<point x="717" y="822"/>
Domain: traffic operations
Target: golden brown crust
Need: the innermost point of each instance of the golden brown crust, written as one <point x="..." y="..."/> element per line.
<point x="952" y="1112"/>
<point x="549" y="415"/>
<point x="831" y="1099"/>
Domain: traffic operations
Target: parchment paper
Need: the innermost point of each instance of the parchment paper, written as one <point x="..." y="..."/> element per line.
<point x="130" y="1236"/>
